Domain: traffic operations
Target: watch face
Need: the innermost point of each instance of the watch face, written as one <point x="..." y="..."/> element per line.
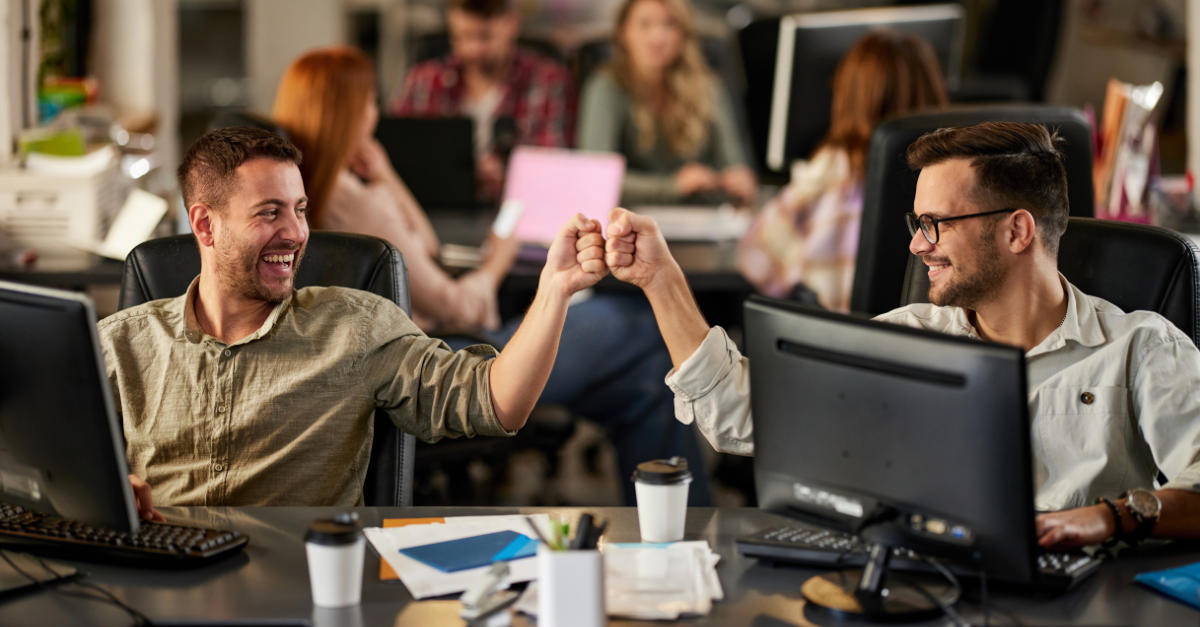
<point x="1143" y="503"/>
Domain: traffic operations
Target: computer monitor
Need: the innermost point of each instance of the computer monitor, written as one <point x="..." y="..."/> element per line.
<point x="906" y="437"/>
<point x="810" y="45"/>
<point x="61" y="447"/>
<point x="435" y="157"/>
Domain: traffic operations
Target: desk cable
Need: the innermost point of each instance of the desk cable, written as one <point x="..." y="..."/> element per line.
<point x="948" y="610"/>
<point x="104" y="596"/>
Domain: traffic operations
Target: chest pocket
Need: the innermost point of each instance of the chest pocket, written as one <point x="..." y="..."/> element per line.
<point x="1081" y="443"/>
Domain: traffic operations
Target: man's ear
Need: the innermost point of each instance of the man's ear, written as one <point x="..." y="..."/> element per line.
<point x="1022" y="231"/>
<point x="201" y="217"/>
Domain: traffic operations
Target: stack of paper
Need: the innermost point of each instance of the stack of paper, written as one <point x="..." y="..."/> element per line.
<point x="663" y="581"/>
<point x="422" y="579"/>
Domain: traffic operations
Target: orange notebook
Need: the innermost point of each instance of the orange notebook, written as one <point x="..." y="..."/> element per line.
<point x="385" y="572"/>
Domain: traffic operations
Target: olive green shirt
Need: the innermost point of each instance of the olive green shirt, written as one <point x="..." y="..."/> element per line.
<point x="283" y="416"/>
<point x="606" y="124"/>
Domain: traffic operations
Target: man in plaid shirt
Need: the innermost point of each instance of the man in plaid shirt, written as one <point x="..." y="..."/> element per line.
<point x="487" y="76"/>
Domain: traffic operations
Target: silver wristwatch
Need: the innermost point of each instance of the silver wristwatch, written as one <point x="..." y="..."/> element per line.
<point x="1145" y="507"/>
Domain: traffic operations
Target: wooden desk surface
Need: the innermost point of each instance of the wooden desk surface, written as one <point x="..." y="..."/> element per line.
<point x="269" y="581"/>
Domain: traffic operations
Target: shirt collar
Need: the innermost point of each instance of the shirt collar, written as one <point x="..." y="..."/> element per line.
<point x="195" y="334"/>
<point x="1081" y="324"/>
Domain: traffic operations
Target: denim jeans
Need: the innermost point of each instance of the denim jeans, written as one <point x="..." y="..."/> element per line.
<point x="610" y="369"/>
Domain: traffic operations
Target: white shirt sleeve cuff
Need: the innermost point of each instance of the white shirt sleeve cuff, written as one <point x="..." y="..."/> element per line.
<point x="706" y="367"/>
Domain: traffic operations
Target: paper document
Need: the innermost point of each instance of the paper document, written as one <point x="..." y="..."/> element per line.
<point x="134" y="224"/>
<point x="653" y="581"/>
<point x="424" y="581"/>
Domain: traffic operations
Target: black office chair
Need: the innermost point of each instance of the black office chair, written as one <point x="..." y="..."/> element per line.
<point x="163" y="268"/>
<point x="890" y="186"/>
<point x="1133" y="266"/>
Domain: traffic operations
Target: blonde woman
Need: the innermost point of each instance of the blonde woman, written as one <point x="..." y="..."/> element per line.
<point x="658" y="104"/>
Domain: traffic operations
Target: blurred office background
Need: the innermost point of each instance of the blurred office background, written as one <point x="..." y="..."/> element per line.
<point x="159" y="71"/>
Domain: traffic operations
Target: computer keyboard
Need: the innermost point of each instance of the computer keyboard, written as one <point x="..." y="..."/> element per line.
<point x="156" y="545"/>
<point x="833" y="549"/>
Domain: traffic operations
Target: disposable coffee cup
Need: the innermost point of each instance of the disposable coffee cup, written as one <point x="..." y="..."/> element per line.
<point x="662" y="491"/>
<point x="335" y="549"/>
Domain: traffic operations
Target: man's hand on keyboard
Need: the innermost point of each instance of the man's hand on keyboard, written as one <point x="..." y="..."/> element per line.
<point x="145" y="503"/>
<point x="1074" y="528"/>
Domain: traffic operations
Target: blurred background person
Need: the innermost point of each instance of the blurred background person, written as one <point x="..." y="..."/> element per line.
<point x="611" y="359"/>
<point x="658" y="104"/>
<point x="327" y="103"/>
<point x="808" y="233"/>
<point x="488" y="77"/>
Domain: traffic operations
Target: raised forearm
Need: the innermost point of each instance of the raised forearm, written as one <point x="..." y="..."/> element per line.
<point x="682" y="325"/>
<point x="523" y="367"/>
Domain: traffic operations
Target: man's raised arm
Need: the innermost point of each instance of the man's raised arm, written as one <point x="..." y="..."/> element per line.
<point x="575" y="262"/>
<point x="637" y="253"/>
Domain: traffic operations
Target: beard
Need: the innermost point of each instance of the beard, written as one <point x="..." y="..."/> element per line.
<point x="971" y="289"/>
<point x="237" y="267"/>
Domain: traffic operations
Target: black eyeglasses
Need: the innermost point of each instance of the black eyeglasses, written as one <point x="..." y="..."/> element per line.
<point x="929" y="224"/>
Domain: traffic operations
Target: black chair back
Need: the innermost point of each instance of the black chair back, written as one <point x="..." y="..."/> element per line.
<point x="163" y="268"/>
<point x="890" y="186"/>
<point x="1133" y="266"/>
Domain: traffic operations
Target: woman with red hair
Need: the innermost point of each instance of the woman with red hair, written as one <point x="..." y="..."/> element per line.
<point x="808" y="234"/>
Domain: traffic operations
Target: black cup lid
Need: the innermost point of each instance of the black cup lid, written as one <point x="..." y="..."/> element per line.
<point x="337" y="531"/>
<point x="663" y="472"/>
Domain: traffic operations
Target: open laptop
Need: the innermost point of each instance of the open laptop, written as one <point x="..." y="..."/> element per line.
<point x="877" y="433"/>
<point x="435" y="157"/>
<point x="546" y="186"/>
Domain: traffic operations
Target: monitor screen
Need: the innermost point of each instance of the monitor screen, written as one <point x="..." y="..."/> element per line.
<point x="809" y="49"/>
<point x="908" y="437"/>
<point x="61" y="447"/>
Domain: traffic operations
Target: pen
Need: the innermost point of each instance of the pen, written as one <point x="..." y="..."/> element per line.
<point x="538" y="533"/>
<point x="582" y="531"/>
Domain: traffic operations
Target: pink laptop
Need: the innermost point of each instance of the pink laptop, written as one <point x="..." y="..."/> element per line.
<point x="549" y="185"/>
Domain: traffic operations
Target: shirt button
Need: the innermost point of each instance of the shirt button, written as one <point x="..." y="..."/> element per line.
<point x="1087" y="398"/>
<point x="218" y="467"/>
<point x="220" y="409"/>
<point x="228" y="352"/>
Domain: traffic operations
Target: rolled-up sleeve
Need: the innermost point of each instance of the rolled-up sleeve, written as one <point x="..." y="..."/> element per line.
<point x="1167" y="404"/>
<point x="427" y="389"/>
<point x="712" y="389"/>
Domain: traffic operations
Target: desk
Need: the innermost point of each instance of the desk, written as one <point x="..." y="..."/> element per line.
<point x="270" y="580"/>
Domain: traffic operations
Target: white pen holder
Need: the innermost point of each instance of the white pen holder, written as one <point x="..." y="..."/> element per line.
<point x="570" y="588"/>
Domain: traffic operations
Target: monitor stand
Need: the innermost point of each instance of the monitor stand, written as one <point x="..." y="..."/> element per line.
<point x="869" y="593"/>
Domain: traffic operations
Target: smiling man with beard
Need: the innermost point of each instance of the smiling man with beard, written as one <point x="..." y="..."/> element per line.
<point x="246" y="391"/>
<point x="1114" y="397"/>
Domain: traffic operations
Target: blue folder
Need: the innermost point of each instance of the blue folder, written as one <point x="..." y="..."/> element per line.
<point x="1181" y="584"/>
<point x="455" y="555"/>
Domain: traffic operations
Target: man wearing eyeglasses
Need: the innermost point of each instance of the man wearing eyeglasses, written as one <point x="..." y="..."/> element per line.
<point x="1115" y="397"/>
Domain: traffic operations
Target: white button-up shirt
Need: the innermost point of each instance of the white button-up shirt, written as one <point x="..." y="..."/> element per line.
<point x="1114" y="398"/>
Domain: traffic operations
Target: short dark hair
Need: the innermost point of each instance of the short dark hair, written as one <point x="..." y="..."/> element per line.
<point x="207" y="173"/>
<point x="1016" y="166"/>
<point x="482" y="8"/>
